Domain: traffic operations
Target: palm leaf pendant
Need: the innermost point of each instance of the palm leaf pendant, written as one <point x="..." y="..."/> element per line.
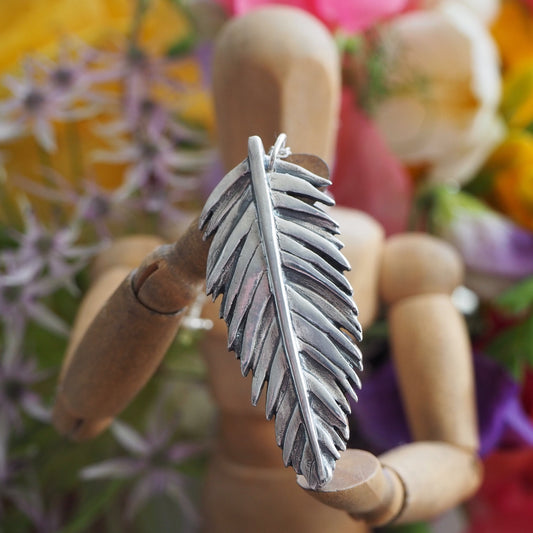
<point x="288" y="307"/>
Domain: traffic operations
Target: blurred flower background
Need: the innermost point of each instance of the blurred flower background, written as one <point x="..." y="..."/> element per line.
<point x="106" y="129"/>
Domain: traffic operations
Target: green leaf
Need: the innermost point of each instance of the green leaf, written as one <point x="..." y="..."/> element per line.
<point x="91" y="510"/>
<point x="161" y="514"/>
<point x="529" y="128"/>
<point x="517" y="91"/>
<point x="182" y="46"/>
<point x="482" y="184"/>
<point x="418" y="527"/>
<point x="514" y="347"/>
<point x="518" y="298"/>
<point x="349" y="43"/>
<point x="6" y="241"/>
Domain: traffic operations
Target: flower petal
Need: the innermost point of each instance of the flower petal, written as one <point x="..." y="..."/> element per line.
<point x="381" y="419"/>
<point x="32" y="404"/>
<point x="445" y="83"/>
<point x="129" y="438"/>
<point x="44" y="133"/>
<point x="119" y="468"/>
<point x="367" y="175"/>
<point x="488" y="242"/>
<point x="43" y="316"/>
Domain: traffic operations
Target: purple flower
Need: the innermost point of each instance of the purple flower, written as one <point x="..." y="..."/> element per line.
<point x="152" y="463"/>
<point x="21" y="292"/>
<point x="93" y="205"/>
<point x="31" y="109"/>
<point x="380" y="417"/>
<point x="213" y="174"/>
<point x="154" y="154"/>
<point x="161" y="174"/>
<point x="26" y="498"/>
<point x="139" y="73"/>
<point x="378" y="413"/>
<point x="17" y="378"/>
<point x="43" y="262"/>
<point x="142" y="71"/>
<point x="31" y="504"/>
<point x="74" y="77"/>
<point x="489" y="242"/>
<point x="204" y="55"/>
<point x="48" y="93"/>
<point x="52" y="253"/>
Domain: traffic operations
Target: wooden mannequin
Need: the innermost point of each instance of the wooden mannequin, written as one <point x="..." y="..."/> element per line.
<point x="277" y="70"/>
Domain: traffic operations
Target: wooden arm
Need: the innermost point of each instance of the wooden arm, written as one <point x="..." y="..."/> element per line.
<point x="275" y="70"/>
<point x="117" y="344"/>
<point x="433" y="360"/>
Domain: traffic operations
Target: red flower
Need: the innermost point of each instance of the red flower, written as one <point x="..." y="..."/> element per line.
<point x="505" y="501"/>
<point x="527" y="393"/>
<point x="367" y="176"/>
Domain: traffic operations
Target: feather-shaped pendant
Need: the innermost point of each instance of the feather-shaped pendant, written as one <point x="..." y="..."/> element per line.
<point x="288" y="307"/>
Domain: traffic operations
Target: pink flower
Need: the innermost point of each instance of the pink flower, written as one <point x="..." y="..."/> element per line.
<point x="348" y="15"/>
<point x="367" y="176"/>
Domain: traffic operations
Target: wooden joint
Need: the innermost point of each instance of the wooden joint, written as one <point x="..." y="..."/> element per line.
<point x="362" y="488"/>
<point x="436" y="476"/>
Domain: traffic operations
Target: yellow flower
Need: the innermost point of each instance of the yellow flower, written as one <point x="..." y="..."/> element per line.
<point x="29" y="26"/>
<point x="511" y="166"/>
<point x="517" y="99"/>
<point x="513" y="31"/>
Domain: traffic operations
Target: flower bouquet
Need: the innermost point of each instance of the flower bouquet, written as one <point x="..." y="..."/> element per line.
<point x="106" y="130"/>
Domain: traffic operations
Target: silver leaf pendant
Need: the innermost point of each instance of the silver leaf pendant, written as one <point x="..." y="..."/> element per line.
<point x="287" y="304"/>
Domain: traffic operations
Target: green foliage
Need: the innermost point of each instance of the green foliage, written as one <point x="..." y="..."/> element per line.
<point x="5" y="240"/>
<point x="482" y="184"/>
<point x="182" y="46"/>
<point x="93" y="505"/>
<point x="418" y="527"/>
<point x="161" y="515"/>
<point x="519" y="298"/>
<point x="514" y="347"/>
<point x="349" y="43"/>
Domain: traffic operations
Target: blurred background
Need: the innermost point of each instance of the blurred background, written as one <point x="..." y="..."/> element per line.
<point x="107" y="130"/>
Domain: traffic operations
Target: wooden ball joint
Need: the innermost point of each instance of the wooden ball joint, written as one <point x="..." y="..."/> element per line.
<point x="277" y="70"/>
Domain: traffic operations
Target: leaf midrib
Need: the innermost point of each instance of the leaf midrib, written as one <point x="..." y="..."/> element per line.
<point x="269" y="242"/>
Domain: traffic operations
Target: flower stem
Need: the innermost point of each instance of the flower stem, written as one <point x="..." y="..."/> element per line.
<point x="75" y="152"/>
<point x="141" y="7"/>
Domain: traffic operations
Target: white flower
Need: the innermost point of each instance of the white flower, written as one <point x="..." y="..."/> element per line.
<point x="485" y="10"/>
<point x="445" y="91"/>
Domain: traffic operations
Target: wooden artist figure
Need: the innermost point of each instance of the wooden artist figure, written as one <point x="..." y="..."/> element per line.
<point x="276" y="70"/>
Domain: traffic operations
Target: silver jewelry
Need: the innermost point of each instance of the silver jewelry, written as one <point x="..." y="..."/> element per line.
<point x="288" y="307"/>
